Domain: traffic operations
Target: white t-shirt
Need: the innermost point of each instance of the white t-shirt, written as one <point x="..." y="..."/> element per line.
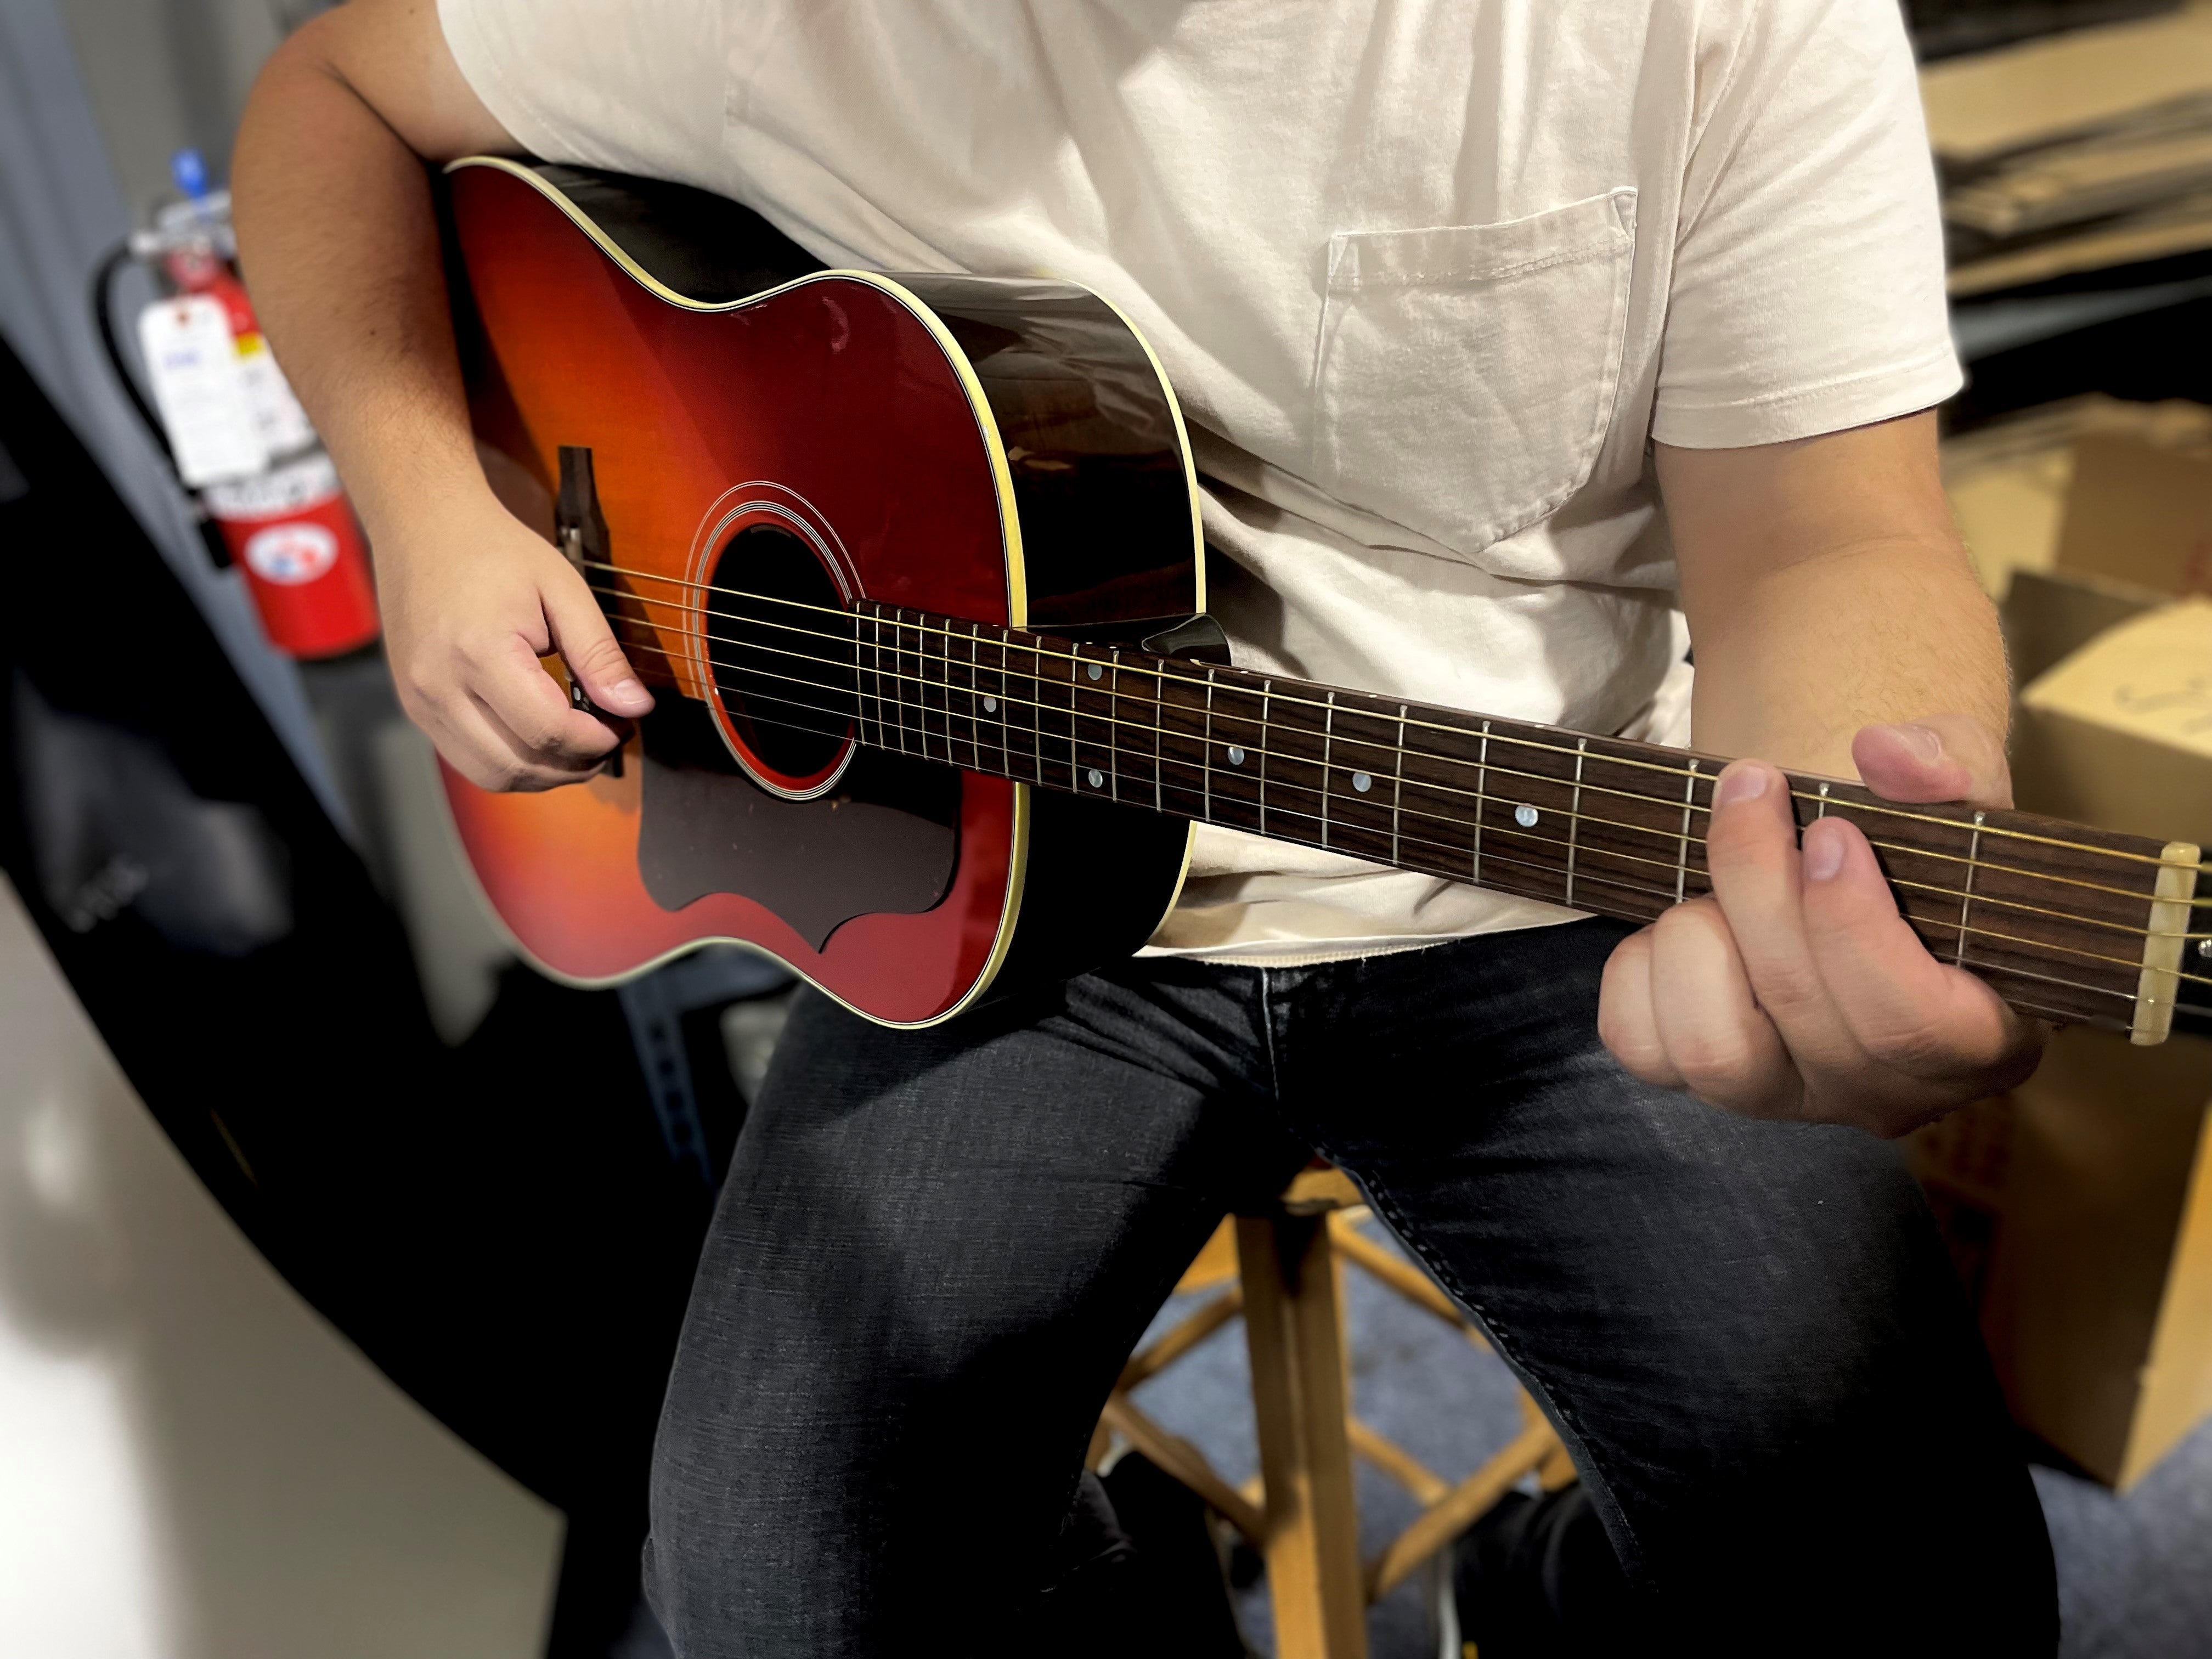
<point x="1428" y="275"/>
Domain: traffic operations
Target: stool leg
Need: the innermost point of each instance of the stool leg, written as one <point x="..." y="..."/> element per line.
<point x="1294" y="1324"/>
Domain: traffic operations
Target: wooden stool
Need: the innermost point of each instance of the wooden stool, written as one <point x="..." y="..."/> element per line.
<point x="1287" y="1266"/>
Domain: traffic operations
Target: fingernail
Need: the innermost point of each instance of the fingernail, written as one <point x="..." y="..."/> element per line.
<point x="1824" y="852"/>
<point x="1740" y="782"/>
<point x="1924" y="741"/>
<point x="628" y="691"/>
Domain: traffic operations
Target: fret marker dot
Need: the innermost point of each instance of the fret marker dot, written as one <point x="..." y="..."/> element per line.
<point x="1524" y="816"/>
<point x="1095" y="670"/>
<point x="1097" y="779"/>
<point x="1236" y="756"/>
<point x="990" y="705"/>
<point x="1361" y="783"/>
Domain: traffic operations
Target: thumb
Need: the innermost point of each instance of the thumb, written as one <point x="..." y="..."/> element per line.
<point x="1939" y="757"/>
<point x="587" y="645"/>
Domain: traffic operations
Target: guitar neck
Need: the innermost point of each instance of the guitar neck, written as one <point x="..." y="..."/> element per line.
<point x="2066" y="922"/>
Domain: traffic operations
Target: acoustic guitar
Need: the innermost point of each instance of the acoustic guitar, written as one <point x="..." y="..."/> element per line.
<point x="912" y="565"/>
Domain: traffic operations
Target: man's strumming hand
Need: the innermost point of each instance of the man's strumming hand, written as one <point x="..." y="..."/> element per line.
<point x="1796" y="990"/>
<point x="470" y="602"/>
<point x="339" y="237"/>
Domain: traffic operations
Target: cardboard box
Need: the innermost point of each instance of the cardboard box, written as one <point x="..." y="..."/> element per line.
<point x="2071" y="489"/>
<point x="2119" y="734"/>
<point x="2080" y="1209"/>
<point x="2139" y="512"/>
<point x="1994" y="104"/>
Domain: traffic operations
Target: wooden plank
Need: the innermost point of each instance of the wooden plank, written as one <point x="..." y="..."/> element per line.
<point x="1400" y="1465"/>
<point x="1187" y="1464"/>
<point x="1294" y="1323"/>
<point x="1215" y="1262"/>
<point x="1155" y="1357"/>
<point x="1446" y="1520"/>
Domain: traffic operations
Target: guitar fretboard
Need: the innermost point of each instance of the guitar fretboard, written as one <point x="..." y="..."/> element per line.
<point x="2056" y="916"/>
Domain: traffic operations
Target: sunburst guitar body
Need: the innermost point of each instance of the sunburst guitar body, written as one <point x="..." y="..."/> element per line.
<point x="730" y="416"/>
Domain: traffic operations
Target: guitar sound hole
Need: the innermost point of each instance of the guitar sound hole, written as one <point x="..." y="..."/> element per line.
<point x="782" y="645"/>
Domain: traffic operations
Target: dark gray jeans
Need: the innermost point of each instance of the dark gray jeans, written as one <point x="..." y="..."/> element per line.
<point x="935" y="1250"/>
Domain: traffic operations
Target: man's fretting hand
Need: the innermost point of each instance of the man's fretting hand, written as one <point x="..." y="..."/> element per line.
<point x="1796" y="990"/>
<point x="468" y="611"/>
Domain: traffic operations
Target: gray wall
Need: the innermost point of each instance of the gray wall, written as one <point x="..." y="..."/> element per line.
<point x="163" y="74"/>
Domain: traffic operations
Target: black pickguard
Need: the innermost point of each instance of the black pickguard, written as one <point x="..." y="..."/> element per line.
<point x="884" y="840"/>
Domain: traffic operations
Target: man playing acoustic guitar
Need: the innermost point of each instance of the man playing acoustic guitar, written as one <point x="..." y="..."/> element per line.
<point x="1517" y="338"/>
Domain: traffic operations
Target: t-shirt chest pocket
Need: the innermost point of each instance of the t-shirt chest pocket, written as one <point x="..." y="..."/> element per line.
<point x="1465" y="375"/>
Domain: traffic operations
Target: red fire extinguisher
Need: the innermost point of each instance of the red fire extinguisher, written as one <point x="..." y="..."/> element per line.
<point x="292" y="532"/>
<point x="269" y="492"/>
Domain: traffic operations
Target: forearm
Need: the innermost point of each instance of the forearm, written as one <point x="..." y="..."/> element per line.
<point x="339" y="239"/>
<point x="1792" y="663"/>
<point x="1826" y="592"/>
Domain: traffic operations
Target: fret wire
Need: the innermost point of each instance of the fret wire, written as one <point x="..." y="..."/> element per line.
<point x="921" y="680"/>
<point x="1966" y="894"/>
<point x="1480" y="799"/>
<point x="1481" y="789"/>
<point x="1984" y="932"/>
<point x="1207" y="751"/>
<point x="975" y="691"/>
<point x="944" y="688"/>
<point x="1328" y="741"/>
<point x="1074" y="769"/>
<point x="1575" y="818"/>
<point x="876" y="664"/>
<point x="1266" y="691"/>
<point x="1823" y="810"/>
<point x="1036" y="726"/>
<point x="898" y="670"/>
<point x="1878" y="806"/>
<point x="1398" y="785"/>
<point x="1113" y="720"/>
<point x="1159" y="751"/>
<point x="1682" y="853"/>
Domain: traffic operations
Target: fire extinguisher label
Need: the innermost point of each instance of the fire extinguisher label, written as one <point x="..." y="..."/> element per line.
<point x="205" y="405"/>
<point x="291" y="554"/>
<point x="276" y="413"/>
<point x="280" y="492"/>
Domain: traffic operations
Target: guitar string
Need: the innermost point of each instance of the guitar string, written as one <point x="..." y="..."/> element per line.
<point x="1007" y="750"/>
<point x="1137" y="668"/>
<point x="1667" y="900"/>
<point x="1974" y="861"/>
<point x="1695" y="776"/>
<point x="924" y="683"/>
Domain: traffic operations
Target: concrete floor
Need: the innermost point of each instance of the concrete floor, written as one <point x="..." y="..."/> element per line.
<point x="2135" y="1571"/>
